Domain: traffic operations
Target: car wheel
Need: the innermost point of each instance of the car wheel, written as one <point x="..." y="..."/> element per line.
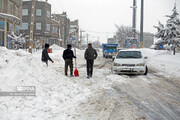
<point x="146" y="71"/>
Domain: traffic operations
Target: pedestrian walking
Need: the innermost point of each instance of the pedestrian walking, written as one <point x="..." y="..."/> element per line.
<point x="45" y="56"/>
<point x="90" y="55"/>
<point x="68" y="56"/>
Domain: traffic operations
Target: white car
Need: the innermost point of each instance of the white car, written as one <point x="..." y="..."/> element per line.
<point x="129" y="61"/>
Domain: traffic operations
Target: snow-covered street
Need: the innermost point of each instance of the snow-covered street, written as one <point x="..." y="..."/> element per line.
<point x="105" y="96"/>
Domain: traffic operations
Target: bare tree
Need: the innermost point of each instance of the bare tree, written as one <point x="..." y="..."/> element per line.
<point x="122" y="33"/>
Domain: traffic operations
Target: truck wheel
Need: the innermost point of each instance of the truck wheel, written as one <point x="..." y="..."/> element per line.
<point x="146" y="71"/>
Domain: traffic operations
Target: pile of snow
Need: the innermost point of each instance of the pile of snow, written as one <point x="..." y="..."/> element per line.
<point x="163" y="61"/>
<point x="56" y="47"/>
<point x="55" y="92"/>
<point x="58" y="97"/>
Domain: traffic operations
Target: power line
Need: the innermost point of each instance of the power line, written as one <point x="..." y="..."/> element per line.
<point x="54" y="5"/>
<point x="61" y="4"/>
<point x="100" y="32"/>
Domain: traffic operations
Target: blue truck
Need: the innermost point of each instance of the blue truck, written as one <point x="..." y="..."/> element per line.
<point x="109" y="50"/>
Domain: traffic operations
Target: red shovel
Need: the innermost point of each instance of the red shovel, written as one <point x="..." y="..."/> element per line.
<point x="76" y="72"/>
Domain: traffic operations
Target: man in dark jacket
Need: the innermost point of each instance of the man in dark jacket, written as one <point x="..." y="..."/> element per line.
<point x="68" y="56"/>
<point x="45" y="57"/>
<point x="90" y="55"/>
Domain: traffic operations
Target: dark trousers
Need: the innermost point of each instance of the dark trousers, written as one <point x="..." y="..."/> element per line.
<point x="89" y="64"/>
<point x="68" y="62"/>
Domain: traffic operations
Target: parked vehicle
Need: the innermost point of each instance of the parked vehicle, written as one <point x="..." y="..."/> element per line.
<point x="130" y="61"/>
<point x="109" y="50"/>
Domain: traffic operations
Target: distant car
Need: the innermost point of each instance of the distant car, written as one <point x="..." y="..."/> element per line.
<point x="129" y="61"/>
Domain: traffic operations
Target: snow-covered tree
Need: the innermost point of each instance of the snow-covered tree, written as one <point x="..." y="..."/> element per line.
<point x="17" y="41"/>
<point x="169" y="33"/>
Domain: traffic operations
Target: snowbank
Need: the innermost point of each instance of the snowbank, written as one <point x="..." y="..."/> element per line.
<point x="55" y="92"/>
<point x="163" y="61"/>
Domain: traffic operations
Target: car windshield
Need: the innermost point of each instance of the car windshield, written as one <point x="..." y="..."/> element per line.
<point x="129" y="54"/>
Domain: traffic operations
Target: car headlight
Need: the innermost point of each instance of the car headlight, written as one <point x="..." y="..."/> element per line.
<point x="140" y="64"/>
<point x="116" y="64"/>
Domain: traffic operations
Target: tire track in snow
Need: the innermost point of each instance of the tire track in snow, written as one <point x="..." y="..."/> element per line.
<point x="154" y="102"/>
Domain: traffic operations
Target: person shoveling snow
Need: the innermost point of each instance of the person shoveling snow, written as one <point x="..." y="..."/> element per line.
<point x="68" y="56"/>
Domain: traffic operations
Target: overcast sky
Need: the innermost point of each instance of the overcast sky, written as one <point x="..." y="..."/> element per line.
<point x="102" y="15"/>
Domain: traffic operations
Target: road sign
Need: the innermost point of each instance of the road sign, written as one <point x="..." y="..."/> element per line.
<point x="73" y="38"/>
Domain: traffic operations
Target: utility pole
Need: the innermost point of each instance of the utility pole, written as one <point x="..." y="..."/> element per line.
<point x="142" y="23"/>
<point x="81" y="31"/>
<point x="32" y="26"/>
<point x="134" y="7"/>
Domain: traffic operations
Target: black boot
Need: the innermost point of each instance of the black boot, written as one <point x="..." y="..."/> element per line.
<point x="88" y="76"/>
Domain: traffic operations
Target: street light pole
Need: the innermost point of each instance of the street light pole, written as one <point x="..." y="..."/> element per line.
<point x="142" y="23"/>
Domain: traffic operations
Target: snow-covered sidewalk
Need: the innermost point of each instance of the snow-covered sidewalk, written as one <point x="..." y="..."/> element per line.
<point x="163" y="61"/>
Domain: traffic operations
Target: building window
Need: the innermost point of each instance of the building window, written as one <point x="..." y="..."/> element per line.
<point x="48" y="14"/>
<point x="48" y="27"/>
<point x="10" y="25"/>
<point x="38" y="12"/>
<point x="24" y="12"/>
<point x="54" y="30"/>
<point x="38" y="26"/>
<point x="2" y="25"/>
<point x="24" y="26"/>
<point x="10" y="7"/>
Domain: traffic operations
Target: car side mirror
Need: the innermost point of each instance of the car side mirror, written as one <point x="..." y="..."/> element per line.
<point x="145" y="57"/>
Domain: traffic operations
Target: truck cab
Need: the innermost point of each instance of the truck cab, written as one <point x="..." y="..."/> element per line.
<point x="109" y="50"/>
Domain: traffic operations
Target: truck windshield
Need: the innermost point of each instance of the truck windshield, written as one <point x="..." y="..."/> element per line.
<point x="111" y="48"/>
<point x="129" y="54"/>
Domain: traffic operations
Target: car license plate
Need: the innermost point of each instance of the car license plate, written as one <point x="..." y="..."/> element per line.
<point x="128" y="69"/>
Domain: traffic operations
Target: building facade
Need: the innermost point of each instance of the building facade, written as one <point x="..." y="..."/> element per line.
<point x="42" y="21"/>
<point x="148" y="40"/>
<point x="74" y="33"/>
<point x="10" y="19"/>
<point x="112" y="40"/>
<point x="64" y="24"/>
<point x="55" y="29"/>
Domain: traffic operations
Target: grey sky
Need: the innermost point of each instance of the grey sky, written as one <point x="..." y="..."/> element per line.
<point x="101" y="15"/>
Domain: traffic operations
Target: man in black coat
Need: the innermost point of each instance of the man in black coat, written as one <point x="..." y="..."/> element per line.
<point x="45" y="57"/>
<point x="68" y="56"/>
<point x="90" y="55"/>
